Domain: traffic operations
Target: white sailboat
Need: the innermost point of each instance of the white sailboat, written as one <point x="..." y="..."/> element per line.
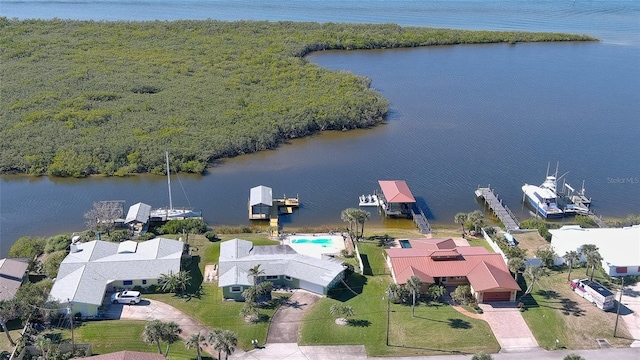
<point x="171" y="213"/>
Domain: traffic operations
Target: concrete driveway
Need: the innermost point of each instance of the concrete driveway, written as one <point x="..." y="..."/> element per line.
<point x="508" y="326"/>
<point x="148" y="310"/>
<point x="286" y="321"/>
<point x="631" y="314"/>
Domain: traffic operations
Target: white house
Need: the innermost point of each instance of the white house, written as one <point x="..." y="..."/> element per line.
<point x="91" y="269"/>
<point x="619" y="247"/>
<point x="281" y="265"/>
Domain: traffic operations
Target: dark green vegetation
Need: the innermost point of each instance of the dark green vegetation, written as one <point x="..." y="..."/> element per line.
<point x="84" y="97"/>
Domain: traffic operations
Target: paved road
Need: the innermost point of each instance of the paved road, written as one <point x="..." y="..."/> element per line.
<point x="286" y="321"/>
<point x="357" y="352"/>
<point x="630" y="312"/>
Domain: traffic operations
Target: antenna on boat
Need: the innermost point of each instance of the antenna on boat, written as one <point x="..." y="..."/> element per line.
<point x="548" y="164"/>
<point x="166" y="153"/>
<point x="557" y="165"/>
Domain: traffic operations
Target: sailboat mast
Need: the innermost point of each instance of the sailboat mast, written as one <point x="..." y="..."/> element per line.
<point x="166" y="153"/>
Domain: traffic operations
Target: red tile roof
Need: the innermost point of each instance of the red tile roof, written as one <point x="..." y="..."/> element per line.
<point x="484" y="270"/>
<point x="396" y="191"/>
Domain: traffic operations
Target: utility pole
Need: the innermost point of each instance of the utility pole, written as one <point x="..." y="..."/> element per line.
<point x="388" y="311"/>
<point x="73" y="343"/>
<point x="615" y="328"/>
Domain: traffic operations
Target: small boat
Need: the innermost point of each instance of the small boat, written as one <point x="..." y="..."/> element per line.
<point x="171" y="213"/>
<point x="368" y="200"/>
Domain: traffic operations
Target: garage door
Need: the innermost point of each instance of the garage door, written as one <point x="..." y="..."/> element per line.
<point x="318" y="289"/>
<point x="496" y="296"/>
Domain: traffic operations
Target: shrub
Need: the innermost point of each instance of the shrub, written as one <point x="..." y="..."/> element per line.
<point x="58" y="242"/>
<point x="195" y="226"/>
<point x="211" y="236"/>
<point x="462" y="295"/>
<point x="119" y="236"/>
<point x="146" y="236"/>
<point x="27" y="247"/>
<point x="51" y="264"/>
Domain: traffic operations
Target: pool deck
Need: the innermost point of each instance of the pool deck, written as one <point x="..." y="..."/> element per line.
<point x="315" y="250"/>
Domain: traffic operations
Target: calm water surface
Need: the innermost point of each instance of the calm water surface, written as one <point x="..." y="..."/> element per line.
<point x="460" y="117"/>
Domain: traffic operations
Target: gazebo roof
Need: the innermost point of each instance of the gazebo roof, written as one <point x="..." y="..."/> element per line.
<point x="396" y="191"/>
<point x="261" y="195"/>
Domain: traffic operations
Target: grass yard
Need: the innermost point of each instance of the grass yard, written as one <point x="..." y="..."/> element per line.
<point x="556" y="312"/>
<point x="434" y="330"/>
<point x="531" y="241"/>
<point x="15" y="328"/>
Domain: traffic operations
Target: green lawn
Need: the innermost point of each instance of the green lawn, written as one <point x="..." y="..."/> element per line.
<point x="448" y="331"/>
<point x="117" y="335"/>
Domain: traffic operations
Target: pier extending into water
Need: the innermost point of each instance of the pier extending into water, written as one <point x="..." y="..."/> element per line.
<point x="501" y="211"/>
<point x="421" y="220"/>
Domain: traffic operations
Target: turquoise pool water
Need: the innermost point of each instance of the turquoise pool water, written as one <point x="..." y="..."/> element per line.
<point x="324" y="242"/>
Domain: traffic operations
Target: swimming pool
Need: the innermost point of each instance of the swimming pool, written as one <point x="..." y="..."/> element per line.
<point x="316" y="246"/>
<point x="324" y="242"/>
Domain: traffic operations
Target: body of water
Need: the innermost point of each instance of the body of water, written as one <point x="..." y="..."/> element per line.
<point x="461" y="116"/>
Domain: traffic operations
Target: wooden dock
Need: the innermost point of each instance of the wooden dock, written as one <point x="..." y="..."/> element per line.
<point x="501" y="211"/>
<point x="421" y="221"/>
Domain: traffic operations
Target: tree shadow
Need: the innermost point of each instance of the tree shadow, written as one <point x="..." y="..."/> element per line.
<point x="358" y="322"/>
<point x="382" y="240"/>
<point x="570" y="307"/>
<point x="195" y="287"/>
<point x="459" y="324"/>
<point x="548" y="294"/>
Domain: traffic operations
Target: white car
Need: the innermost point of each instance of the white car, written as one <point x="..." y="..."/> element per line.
<point x="126" y="297"/>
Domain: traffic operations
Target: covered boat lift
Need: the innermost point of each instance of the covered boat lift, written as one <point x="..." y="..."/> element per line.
<point x="396" y="199"/>
<point x="260" y="202"/>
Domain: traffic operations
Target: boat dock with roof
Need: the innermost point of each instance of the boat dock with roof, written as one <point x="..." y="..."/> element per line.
<point x="397" y="200"/>
<point x="500" y="210"/>
<point x="262" y="206"/>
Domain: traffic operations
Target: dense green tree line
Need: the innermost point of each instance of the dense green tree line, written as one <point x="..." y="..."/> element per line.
<point x="87" y="97"/>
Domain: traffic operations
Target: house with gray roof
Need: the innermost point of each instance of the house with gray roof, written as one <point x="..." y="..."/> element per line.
<point x="13" y="272"/>
<point x="94" y="268"/>
<point x="281" y="265"/>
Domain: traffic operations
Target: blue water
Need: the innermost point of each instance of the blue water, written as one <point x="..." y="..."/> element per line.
<point x="460" y="116"/>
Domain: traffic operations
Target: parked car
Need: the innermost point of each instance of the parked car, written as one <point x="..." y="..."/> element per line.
<point x="126" y="297"/>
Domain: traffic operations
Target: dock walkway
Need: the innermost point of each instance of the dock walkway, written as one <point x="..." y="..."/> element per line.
<point x="421" y="220"/>
<point x="501" y="211"/>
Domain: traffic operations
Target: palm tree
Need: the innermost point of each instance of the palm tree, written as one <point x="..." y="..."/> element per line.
<point x="571" y="257"/>
<point x="436" y="291"/>
<point x="349" y="216"/>
<point x="183" y="280"/>
<point x="585" y="250"/>
<point x="170" y="333"/>
<point x="194" y="341"/>
<point x="342" y="310"/>
<point x="229" y="342"/>
<point x="573" y="357"/>
<point x="477" y="219"/>
<point x="9" y="310"/>
<point x="255" y="273"/>
<point x="361" y="217"/>
<point x="481" y="356"/>
<point x="533" y="274"/>
<point x="593" y="259"/>
<point x="461" y="218"/>
<point x="215" y="338"/>
<point x="413" y="284"/>
<point x="249" y="311"/>
<point x="515" y="264"/>
<point x="169" y="282"/>
<point x="152" y="333"/>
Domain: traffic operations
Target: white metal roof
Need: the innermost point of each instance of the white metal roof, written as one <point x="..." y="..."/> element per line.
<point x="618" y="246"/>
<point x="261" y="195"/>
<point x="138" y="212"/>
<point x="273" y="260"/>
<point x="84" y="275"/>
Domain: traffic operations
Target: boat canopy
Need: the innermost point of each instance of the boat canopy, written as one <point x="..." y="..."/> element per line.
<point x="261" y="195"/>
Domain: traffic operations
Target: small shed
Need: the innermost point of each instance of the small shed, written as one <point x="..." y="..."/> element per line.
<point x="260" y="202"/>
<point x="396" y="199"/>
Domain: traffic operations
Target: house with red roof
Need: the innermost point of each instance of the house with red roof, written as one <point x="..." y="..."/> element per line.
<point x="442" y="262"/>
